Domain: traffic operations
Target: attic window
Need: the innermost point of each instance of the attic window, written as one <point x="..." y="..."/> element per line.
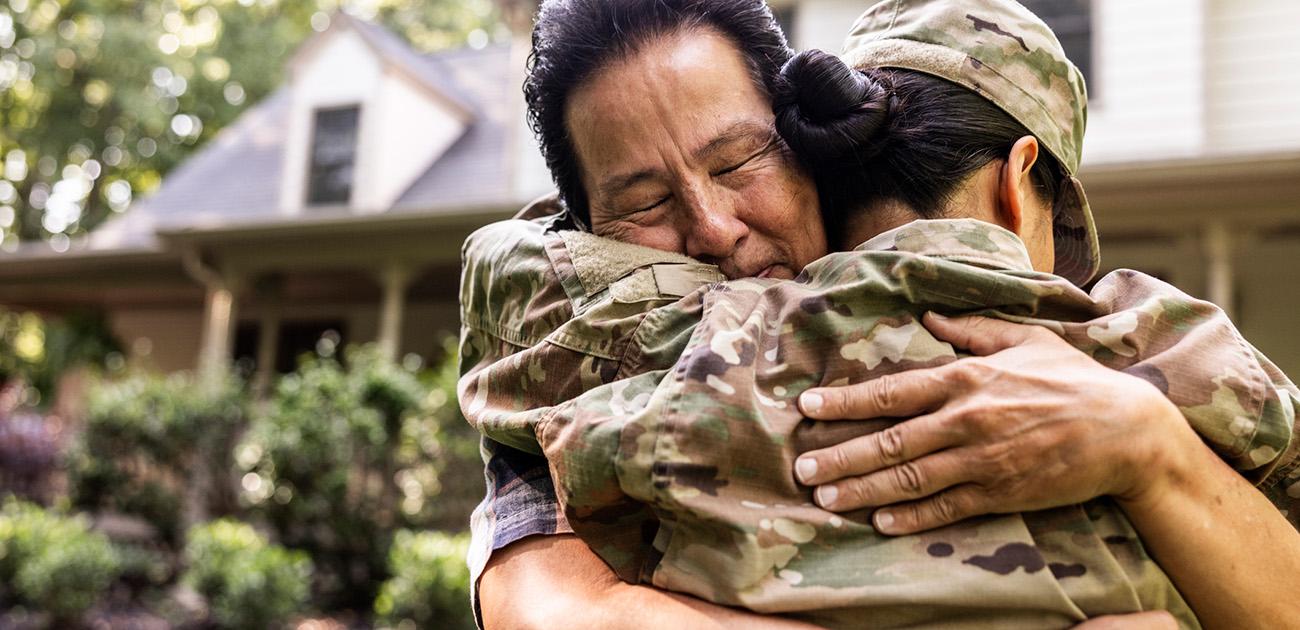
<point x="333" y="152"/>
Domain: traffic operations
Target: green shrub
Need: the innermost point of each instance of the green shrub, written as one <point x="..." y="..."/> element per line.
<point x="430" y="583"/>
<point x="52" y="562"/>
<point x="344" y="454"/>
<point x="157" y="446"/>
<point x="248" y="583"/>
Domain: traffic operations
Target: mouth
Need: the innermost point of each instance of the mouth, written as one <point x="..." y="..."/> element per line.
<point x="775" y="270"/>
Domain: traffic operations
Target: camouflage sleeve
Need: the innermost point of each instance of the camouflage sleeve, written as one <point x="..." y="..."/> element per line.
<point x="1238" y="402"/>
<point x="537" y="330"/>
<point x="510" y="301"/>
<point x="1282" y="485"/>
<point x="533" y="339"/>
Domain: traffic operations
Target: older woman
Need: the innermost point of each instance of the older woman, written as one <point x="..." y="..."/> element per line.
<point x="689" y="188"/>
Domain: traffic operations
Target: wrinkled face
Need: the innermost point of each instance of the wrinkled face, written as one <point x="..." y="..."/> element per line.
<point x="678" y="152"/>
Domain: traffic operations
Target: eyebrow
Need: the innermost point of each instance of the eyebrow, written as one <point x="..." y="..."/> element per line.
<point x="738" y="131"/>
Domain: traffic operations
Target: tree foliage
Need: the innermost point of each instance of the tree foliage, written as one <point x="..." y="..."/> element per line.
<point x="100" y="98"/>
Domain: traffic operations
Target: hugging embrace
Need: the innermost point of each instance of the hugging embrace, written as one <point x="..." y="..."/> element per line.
<point x="802" y="342"/>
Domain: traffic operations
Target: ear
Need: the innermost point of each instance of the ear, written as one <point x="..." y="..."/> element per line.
<point x="1015" y="184"/>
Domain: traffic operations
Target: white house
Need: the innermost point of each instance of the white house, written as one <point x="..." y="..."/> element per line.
<point x="340" y="201"/>
<point x="337" y="204"/>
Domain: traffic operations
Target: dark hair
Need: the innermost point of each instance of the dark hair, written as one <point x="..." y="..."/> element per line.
<point x="888" y="133"/>
<point x="572" y="39"/>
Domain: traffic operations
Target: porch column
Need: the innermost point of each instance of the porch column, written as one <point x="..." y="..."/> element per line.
<point x="218" y="329"/>
<point x="394" y="278"/>
<point x="1219" y="285"/>
<point x="217" y="344"/>
<point x="270" y="289"/>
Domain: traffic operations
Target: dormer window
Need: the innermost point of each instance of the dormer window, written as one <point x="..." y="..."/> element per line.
<point x="333" y="154"/>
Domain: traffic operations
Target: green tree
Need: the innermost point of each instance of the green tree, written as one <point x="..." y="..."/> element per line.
<point x="100" y="98"/>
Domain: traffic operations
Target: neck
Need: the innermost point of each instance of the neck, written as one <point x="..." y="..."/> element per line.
<point x="975" y="198"/>
<point x="867" y="223"/>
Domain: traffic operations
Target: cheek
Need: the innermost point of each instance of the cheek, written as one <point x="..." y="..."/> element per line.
<point x="793" y="218"/>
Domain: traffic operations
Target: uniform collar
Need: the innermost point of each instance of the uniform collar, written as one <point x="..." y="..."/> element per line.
<point x="963" y="240"/>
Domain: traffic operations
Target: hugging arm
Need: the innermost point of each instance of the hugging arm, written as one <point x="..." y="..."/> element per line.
<point x="546" y="582"/>
<point x="1034" y="423"/>
<point x="557" y="581"/>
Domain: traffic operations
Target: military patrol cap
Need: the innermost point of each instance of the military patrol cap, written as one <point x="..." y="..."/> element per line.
<point x="1005" y="53"/>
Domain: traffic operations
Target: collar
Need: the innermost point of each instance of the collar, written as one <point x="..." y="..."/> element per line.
<point x="599" y="262"/>
<point x="968" y="241"/>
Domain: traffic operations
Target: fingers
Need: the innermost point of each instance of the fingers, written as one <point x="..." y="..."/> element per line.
<point x="945" y="508"/>
<point x="1152" y="620"/>
<point x="902" y="442"/>
<point x="905" y="482"/>
<point x="893" y="395"/>
<point x="981" y="335"/>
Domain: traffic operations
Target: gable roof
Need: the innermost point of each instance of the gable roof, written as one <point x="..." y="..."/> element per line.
<point x="235" y="178"/>
<point x="393" y="50"/>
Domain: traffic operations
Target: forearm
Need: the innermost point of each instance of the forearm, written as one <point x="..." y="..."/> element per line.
<point x="556" y="581"/>
<point x="1233" y="556"/>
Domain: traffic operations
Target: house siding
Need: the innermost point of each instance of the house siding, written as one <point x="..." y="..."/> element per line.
<point x="1148" y="78"/>
<point x="1253" y="75"/>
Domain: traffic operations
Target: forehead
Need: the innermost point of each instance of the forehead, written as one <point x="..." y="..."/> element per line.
<point x="679" y="89"/>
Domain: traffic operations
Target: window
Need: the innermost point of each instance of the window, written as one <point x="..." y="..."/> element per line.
<point x="333" y="151"/>
<point x="1071" y="20"/>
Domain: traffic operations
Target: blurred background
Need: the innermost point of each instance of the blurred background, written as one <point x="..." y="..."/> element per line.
<point x="229" y="255"/>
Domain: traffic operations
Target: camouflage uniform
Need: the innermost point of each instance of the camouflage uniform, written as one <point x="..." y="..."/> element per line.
<point x="667" y="413"/>
<point x="671" y="429"/>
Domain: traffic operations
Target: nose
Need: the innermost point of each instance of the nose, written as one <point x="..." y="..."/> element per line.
<point x="714" y="231"/>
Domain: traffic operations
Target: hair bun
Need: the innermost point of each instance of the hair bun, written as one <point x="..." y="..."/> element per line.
<point x="830" y="114"/>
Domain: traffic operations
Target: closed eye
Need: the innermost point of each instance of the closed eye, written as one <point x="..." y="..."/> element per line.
<point x="732" y="168"/>
<point x="764" y="150"/>
<point x="652" y="206"/>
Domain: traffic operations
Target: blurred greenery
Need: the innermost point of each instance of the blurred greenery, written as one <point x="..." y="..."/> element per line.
<point x="51" y="561"/>
<point x="100" y="98"/>
<point x="430" y="583"/>
<point x="156" y="445"/>
<point x="350" y="466"/>
<point x="248" y="582"/>
<point x="344" y="454"/>
<point x="36" y="351"/>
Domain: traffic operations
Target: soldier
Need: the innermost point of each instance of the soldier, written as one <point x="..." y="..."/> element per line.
<point x="607" y="426"/>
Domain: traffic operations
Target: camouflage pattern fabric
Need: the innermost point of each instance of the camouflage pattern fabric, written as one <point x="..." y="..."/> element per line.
<point x="1005" y="53"/>
<point x="671" y="428"/>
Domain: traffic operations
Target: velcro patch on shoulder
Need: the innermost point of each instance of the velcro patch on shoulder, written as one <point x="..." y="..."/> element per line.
<point x="600" y="261"/>
<point x="663" y="281"/>
<point x="682" y="279"/>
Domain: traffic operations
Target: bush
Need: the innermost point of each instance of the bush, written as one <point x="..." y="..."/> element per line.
<point x="343" y="455"/>
<point x="157" y="447"/>
<point x="430" y="583"/>
<point x="248" y="583"/>
<point x="52" y="562"/>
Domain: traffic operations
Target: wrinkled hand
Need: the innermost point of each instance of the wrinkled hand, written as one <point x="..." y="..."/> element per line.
<point x="1029" y="423"/>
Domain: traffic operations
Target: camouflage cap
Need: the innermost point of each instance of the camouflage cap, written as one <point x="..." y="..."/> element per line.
<point x="1002" y="51"/>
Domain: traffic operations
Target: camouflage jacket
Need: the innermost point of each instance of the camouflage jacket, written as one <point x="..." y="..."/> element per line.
<point x="667" y="416"/>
